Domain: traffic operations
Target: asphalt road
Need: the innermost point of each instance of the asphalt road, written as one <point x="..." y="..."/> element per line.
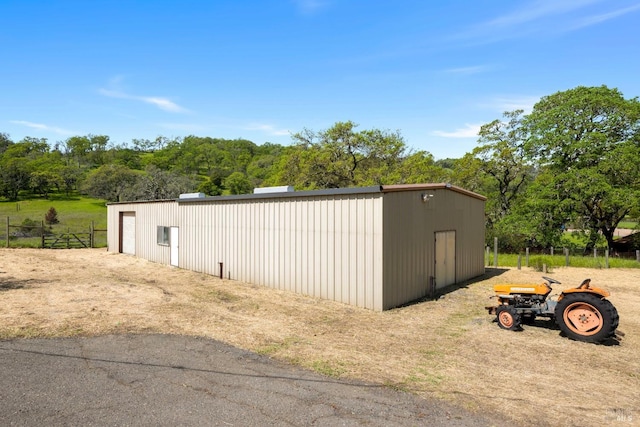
<point x="165" y="380"/>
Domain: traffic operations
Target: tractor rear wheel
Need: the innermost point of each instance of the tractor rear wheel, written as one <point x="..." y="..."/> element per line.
<point x="586" y="317"/>
<point x="508" y="318"/>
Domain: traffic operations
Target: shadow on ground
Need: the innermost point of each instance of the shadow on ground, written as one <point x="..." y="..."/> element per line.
<point x="10" y="283"/>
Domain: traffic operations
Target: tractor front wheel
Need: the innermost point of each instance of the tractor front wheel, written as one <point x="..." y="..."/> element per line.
<point x="586" y="317"/>
<point x="508" y="318"/>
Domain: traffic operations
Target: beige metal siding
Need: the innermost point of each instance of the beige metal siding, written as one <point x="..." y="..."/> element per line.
<point x="369" y="249"/>
<point x="409" y="246"/>
<point x="328" y="247"/>
<point x="408" y="249"/>
<point x="149" y="216"/>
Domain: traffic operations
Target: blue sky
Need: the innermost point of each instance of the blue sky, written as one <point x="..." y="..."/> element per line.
<point x="261" y="70"/>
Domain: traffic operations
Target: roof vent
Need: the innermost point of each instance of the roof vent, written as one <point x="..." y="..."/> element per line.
<point x="192" y="196"/>
<point x="281" y="189"/>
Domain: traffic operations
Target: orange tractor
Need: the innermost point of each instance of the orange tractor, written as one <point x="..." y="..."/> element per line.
<point x="582" y="313"/>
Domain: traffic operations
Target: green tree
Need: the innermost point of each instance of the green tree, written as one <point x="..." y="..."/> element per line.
<point x="538" y="219"/>
<point x="14" y="176"/>
<point x="86" y="150"/>
<point x="125" y="156"/>
<point x="168" y="157"/>
<point x="574" y="128"/>
<point x="420" y="167"/>
<point x="113" y="183"/>
<point x="502" y="159"/>
<point x="70" y="176"/>
<point x="587" y="138"/>
<point x="210" y="188"/>
<point x="98" y="147"/>
<point x="19" y="161"/>
<point x="238" y="183"/>
<point x="33" y="147"/>
<point x="341" y="157"/>
<point x="605" y="193"/>
<point x="157" y="184"/>
<point x="467" y="173"/>
<point x="43" y="182"/>
<point x="5" y="142"/>
<point x="76" y="148"/>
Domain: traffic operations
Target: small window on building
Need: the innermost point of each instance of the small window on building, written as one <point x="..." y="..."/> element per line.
<point x="163" y="235"/>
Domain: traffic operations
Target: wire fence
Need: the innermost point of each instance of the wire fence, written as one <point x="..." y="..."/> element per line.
<point x="541" y="258"/>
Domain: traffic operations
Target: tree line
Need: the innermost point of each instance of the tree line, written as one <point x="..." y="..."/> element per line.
<point x="338" y="157"/>
<point x="573" y="162"/>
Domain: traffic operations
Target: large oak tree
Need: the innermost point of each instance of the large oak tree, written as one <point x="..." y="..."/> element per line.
<point x="588" y="140"/>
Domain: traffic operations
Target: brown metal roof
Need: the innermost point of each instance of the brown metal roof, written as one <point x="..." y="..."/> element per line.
<point x="438" y="186"/>
<point x="325" y="192"/>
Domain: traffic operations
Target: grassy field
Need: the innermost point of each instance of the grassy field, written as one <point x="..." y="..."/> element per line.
<point x="449" y="348"/>
<point x="75" y="213"/>
<point x="632" y="225"/>
<point x="537" y="261"/>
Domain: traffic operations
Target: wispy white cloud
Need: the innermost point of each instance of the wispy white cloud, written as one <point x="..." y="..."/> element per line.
<point x="537" y="10"/>
<point x="268" y="129"/>
<point x="468" y="131"/>
<point x="43" y="127"/>
<point x="496" y="105"/>
<point x="115" y="91"/>
<point x="162" y="103"/>
<point x="596" y="19"/>
<point x="511" y="103"/>
<point x="543" y="17"/>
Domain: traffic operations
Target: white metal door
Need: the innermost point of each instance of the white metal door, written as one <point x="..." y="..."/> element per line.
<point x="173" y="242"/>
<point x="129" y="233"/>
<point x="445" y="258"/>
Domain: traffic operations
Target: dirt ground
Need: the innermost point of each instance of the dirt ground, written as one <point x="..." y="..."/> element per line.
<point x="449" y="348"/>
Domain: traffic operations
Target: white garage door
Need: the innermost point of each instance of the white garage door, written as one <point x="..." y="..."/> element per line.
<point x="129" y="233"/>
<point x="445" y="258"/>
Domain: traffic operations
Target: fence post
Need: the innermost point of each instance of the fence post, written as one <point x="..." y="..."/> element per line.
<point x="606" y="258"/>
<point x="495" y="252"/>
<point x="595" y="253"/>
<point x="638" y="255"/>
<point x="519" y="261"/>
<point x="551" y="250"/>
<point x="526" y="263"/>
<point x="566" y="256"/>
<point x="7" y="231"/>
<point x="488" y="255"/>
<point x="91" y="231"/>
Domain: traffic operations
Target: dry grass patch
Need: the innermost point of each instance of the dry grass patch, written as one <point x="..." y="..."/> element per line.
<point x="448" y="348"/>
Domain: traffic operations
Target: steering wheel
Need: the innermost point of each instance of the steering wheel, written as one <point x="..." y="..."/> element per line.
<point x="550" y="280"/>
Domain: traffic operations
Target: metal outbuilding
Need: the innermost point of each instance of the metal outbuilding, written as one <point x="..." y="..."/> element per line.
<point x="375" y="247"/>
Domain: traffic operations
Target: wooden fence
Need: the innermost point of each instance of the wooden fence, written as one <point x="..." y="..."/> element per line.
<point x="43" y="237"/>
<point x="67" y="240"/>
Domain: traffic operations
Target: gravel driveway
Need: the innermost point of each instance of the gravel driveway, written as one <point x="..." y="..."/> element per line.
<point x="177" y="380"/>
